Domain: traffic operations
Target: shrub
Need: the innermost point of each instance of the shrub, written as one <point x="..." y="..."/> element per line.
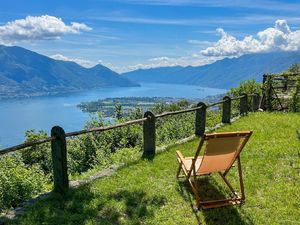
<point x="294" y="104"/>
<point x="245" y="87"/>
<point x="19" y="182"/>
<point x="39" y="155"/>
<point x="125" y="156"/>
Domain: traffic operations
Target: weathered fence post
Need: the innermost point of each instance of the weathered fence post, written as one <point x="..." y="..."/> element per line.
<point x="255" y="102"/>
<point x="59" y="160"/>
<point x="200" y="119"/>
<point x="268" y="91"/>
<point x="285" y="83"/>
<point x="244" y="104"/>
<point x="226" y="113"/>
<point x="149" y="135"/>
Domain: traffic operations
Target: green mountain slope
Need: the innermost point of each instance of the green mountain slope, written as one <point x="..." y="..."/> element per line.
<point x="26" y="73"/>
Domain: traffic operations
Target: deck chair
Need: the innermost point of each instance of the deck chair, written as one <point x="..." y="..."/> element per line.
<point x="220" y="153"/>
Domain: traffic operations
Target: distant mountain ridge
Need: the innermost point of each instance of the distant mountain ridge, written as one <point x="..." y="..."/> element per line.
<point x="26" y="73"/>
<point x="224" y="73"/>
<point x="160" y="74"/>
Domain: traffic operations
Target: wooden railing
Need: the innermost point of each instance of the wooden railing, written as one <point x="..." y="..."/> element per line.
<point x="59" y="144"/>
<point x="277" y="91"/>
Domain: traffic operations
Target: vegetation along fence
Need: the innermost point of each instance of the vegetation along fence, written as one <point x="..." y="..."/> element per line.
<point x="279" y="90"/>
<point x="59" y="144"/>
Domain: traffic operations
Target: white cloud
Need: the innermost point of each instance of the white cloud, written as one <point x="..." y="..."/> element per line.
<point x="193" y="60"/>
<point x="200" y="43"/>
<point x="162" y="61"/>
<point x="89" y="63"/>
<point x="277" y="38"/>
<point x="82" y="62"/>
<point x="38" y="28"/>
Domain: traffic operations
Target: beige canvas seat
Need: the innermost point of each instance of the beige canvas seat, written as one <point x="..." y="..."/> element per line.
<point x="220" y="153"/>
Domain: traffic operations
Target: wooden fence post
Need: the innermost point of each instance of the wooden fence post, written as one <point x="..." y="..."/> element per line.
<point x="285" y="82"/>
<point x="255" y="102"/>
<point x="244" y="104"/>
<point x="268" y="92"/>
<point x="200" y="119"/>
<point x="149" y="135"/>
<point x="59" y="160"/>
<point x="226" y="113"/>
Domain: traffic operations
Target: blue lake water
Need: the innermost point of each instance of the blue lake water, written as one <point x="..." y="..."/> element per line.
<point x="42" y="113"/>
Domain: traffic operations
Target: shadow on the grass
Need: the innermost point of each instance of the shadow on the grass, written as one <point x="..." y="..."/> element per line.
<point x="56" y="209"/>
<point x="211" y="191"/>
<point x="137" y="206"/>
<point x="82" y="205"/>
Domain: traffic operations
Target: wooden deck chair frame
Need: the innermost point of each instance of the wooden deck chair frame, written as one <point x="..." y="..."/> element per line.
<point x="192" y="173"/>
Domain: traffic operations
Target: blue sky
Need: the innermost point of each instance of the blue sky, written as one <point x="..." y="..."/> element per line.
<point x="130" y="34"/>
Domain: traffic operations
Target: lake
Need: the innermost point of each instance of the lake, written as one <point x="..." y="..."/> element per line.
<point x="42" y="113"/>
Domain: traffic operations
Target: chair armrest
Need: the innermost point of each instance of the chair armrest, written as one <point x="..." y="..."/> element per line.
<point x="180" y="157"/>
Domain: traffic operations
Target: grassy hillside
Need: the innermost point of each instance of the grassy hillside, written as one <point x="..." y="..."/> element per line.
<point x="147" y="192"/>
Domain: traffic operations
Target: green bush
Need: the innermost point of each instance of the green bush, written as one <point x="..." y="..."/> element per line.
<point x="19" y="182"/>
<point x="83" y="154"/>
<point x="294" y="104"/>
<point x="125" y="156"/>
<point x="95" y="149"/>
<point x="245" y="87"/>
<point x="39" y="155"/>
<point x="100" y="149"/>
<point x="172" y="128"/>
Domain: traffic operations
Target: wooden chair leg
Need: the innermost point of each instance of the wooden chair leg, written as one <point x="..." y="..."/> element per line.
<point x="238" y="162"/>
<point x="228" y="184"/>
<point x="195" y="189"/>
<point x="241" y="178"/>
<point x="236" y="200"/>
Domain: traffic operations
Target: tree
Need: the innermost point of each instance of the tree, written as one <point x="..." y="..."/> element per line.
<point x="294" y="68"/>
<point x="247" y="87"/>
<point x="118" y="111"/>
<point x="37" y="154"/>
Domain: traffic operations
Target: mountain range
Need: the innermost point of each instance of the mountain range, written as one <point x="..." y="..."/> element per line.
<point x="26" y="73"/>
<point x="226" y="73"/>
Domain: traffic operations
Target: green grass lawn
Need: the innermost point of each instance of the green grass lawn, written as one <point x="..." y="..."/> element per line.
<point x="147" y="192"/>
